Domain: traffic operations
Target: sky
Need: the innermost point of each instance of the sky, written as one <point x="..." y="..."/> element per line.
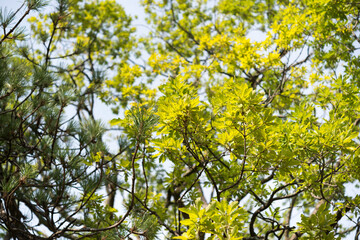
<point x="132" y="6"/>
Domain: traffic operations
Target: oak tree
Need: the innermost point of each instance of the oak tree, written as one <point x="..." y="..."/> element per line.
<point x="242" y="122"/>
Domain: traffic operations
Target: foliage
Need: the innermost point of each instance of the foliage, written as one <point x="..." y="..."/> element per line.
<point x="252" y="133"/>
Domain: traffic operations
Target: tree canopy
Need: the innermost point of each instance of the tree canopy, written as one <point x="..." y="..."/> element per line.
<point x="233" y="119"/>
